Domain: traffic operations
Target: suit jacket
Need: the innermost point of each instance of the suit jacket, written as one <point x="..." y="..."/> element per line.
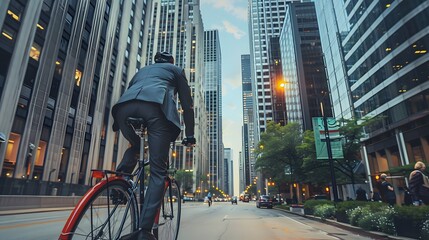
<point x="159" y="83"/>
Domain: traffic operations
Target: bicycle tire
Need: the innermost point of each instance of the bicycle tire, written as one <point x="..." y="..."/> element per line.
<point x="89" y="219"/>
<point x="170" y="213"/>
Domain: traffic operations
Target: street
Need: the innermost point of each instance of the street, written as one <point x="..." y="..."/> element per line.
<point x="221" y="221"/>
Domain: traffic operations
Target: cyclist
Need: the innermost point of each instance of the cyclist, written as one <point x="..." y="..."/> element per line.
<point x="151" y="96"/>
<point x="209" y="197"/>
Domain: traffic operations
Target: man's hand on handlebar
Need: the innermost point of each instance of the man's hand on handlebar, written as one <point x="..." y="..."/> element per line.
<point x="189" y="141"/>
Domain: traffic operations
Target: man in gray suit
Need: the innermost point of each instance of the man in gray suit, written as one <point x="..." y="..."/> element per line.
<point x="151" y="95"/>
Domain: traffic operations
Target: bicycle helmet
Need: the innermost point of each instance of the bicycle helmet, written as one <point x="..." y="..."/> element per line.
<point x="164" y="57"/>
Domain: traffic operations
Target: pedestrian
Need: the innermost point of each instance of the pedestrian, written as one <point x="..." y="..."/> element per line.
<point x="361" y="194"/>
<point x="419" y="184"/>
<point x="375" y="197"/>
<point x="408" y="198"/>
<point x="387" y="191"/>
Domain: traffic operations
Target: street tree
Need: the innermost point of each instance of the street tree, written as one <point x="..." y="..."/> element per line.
<point x="278" y="157"/>
<point x="316" y="171"/>
<point x="185" y="178"/>
<point x="352" y="132"/>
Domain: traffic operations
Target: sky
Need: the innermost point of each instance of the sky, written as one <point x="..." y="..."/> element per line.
<point x="230" y="18"/>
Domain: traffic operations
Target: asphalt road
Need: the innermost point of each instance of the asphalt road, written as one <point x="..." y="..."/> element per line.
<point x="221" y="221"/>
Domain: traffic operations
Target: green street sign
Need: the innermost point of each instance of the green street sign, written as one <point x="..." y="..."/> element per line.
<point x="320" y="139"/>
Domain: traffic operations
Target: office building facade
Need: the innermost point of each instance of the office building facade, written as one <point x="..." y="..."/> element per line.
<point x="303" y="66"/>
<point x="213" y="103"/>
<point x="379" y="56"/>
<point x="333" y="27"/>
<point x="386" y="55"/>
<point x="64" y="64"/>
<point x="248" y="131"/>
<point x="177" y="27"/>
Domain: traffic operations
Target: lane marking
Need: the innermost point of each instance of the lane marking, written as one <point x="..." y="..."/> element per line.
<point x="28" y="224"/>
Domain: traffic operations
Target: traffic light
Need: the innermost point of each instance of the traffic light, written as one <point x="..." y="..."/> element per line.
<point x="327" y="189"/>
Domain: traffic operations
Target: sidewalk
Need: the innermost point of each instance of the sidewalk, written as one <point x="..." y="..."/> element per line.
<point x="348" y="227"/>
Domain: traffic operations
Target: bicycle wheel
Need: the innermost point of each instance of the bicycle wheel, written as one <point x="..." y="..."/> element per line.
<point x="107" y="211"/>
<point x="169" y="216"/>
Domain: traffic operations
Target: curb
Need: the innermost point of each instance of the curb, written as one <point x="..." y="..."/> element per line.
<point x="348" y="227"/>
<point x="33" y="210"/>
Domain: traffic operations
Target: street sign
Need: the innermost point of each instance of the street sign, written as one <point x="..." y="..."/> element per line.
<point x="320" y="138"/>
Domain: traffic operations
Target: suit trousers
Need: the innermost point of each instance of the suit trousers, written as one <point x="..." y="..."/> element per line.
<point x="159" y="135"/>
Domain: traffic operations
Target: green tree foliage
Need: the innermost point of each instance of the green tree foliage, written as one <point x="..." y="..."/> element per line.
<point x="352" y="131"/>
<point x="278" y="157"/>
<point x="185" y="179"/>
<point x="316" y="171"/>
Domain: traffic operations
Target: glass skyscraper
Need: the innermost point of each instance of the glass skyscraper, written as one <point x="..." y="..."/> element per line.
<point x="384" y="46"/>
<point x="213" y="103"/>
<point x="177" y="27"/>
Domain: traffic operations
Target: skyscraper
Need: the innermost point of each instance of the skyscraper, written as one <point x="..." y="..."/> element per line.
<point x="266" y="19"/>
<point x="176" y="27"/>
<point x="248" y="124"/>
<point x="303" y="67"/>
<point x="384" y="46"/>
<point x="64" y="63"/>
<point x="333" y="26"/>
<point x="213" y="103"/>
<point x="228" y="187"/>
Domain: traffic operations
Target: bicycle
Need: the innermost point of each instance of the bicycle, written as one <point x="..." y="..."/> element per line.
<point x="109" y="209"/>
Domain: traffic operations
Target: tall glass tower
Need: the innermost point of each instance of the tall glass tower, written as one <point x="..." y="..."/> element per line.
<point x="385" y="57"/>
<point x="176" y="27"/>
<point x="213" y="103"/>
<point x="248" y="123"/>
<point x="303" y="67"/>
<point x="266" y="19"/>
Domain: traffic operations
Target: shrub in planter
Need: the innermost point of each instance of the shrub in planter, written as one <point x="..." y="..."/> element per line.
<point x="424" y="233"/>
<point x="385" y="220"/>
<point x="324" y="211"/>
<point x="366" y="219"/>
<point x="373" y="218"/>
<point x="310" y="205"/>
<point x="342" y="207"/>
<point x="354" y="215"/>
<point x="409" y="220"/>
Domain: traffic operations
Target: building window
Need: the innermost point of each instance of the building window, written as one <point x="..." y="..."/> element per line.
<point x="8" y="33"/>
<point x="13" y="15"/>
<point x="35" y="51"/>
<point x="78" y="77"/>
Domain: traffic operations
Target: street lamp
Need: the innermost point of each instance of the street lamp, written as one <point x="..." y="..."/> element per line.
<point x="329" y="149"/>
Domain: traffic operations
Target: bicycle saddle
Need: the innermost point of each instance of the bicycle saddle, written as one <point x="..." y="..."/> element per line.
<point x="136" y="121"/>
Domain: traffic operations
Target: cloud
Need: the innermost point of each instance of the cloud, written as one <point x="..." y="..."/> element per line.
<point x="231" y="84"/>
<point x="235" y="31"/>
<point x="228" y="6"/>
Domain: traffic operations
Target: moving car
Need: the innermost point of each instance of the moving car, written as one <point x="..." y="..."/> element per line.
<point x="264" y="201"/>
<point x="246" y="198"/>
<point x="234" y="200"/>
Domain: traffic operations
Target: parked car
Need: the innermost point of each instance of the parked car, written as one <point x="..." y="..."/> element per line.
<point x="318" y="197"/>
<point x="234" y="200"/>
<point x="264" y="201"/>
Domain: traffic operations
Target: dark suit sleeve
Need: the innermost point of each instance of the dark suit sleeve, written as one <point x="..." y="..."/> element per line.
<point x="186" y="102"/>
